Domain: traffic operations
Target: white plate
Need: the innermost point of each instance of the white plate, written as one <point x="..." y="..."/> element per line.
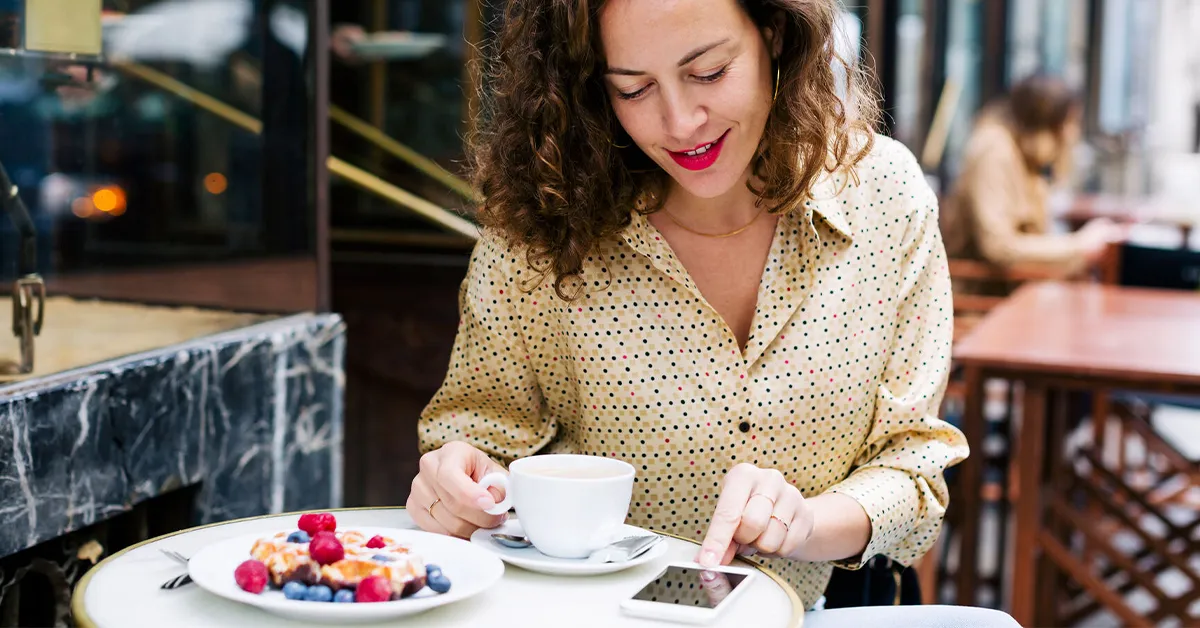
<point x="470" y="569"/>
<point x="399" y="46"/>
<point x="533" y="560"/>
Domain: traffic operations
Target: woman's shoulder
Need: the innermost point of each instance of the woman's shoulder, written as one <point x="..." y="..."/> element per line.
<point x="498" y="259"/>
<point x="889" y="181"/>
<point x="990" y="141"/>
<point x="494" y="248"/>
<point x="890" y="158"/>
<point x="884" y="194"/>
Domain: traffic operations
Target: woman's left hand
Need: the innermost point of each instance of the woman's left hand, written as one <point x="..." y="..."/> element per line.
<point x="757" y="510"/>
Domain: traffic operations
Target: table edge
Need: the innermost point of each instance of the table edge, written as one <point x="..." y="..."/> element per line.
<point x="1133" y="379"/>
<point x="83" y="620"/>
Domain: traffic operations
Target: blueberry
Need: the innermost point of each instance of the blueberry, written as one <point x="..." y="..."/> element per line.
<point x="319" y="593"/>
<point x="344" y="596"/>
<point x="295" y="590"/>
<point x="382" y="558"/>
<point x="299" y="536"/>
<point x="438" y="581"/>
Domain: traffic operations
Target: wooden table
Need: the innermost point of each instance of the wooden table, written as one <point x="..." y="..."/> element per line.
<point x="1133" y="209"/>
<point x="1055" y="337"/>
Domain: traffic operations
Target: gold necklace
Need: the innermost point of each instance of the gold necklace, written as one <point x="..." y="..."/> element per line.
<point x="715" y="235"/>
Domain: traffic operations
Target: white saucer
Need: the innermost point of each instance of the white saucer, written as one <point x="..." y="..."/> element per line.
<point x="533" y="560"/>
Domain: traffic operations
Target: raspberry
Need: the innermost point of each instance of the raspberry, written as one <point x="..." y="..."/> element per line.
<point x="308" y="523"/>
<point x="328" y="523"/>
<point x="325" y="548"/>
<point x="376" y="542"/>
<point x="312" y="523"/>
<point x="373" y="589"/>
<point x="251" y="576"/>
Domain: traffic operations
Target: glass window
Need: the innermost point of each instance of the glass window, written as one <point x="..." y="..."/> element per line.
<point x="1126" y="50"/>
<point x="1048" y="36"/>
<point x="910" y="62"/>
<point x="964" y="54"/>
<point x="419" y="99"/>
<point x="161" y="153"/>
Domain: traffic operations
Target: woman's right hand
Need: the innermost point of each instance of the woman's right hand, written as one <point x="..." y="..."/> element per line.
<point x="1099" y="234"/>
<point x="446" y="497"/>
<point x="344" y="38"/>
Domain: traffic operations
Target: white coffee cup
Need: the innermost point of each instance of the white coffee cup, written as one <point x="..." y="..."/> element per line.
<point x="568" y="505"/>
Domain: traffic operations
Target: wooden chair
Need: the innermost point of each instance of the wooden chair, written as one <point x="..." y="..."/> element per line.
<point x="1162" y="473"/>
<point x="1157" y="534"/>
<point x="980" y="287"/>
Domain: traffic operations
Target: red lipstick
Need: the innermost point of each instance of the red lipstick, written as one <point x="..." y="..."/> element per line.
<point x="700" y="157"/>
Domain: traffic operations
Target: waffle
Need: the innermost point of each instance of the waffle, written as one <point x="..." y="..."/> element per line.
<point x="290" y="562"/>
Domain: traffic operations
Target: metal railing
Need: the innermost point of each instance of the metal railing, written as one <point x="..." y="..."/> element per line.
<point x="423" y="164"/>
<point x="353" y="174"/>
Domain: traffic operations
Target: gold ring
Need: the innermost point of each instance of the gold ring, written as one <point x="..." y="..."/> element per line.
<point x="435" y="503"/>
<point x="786" y="527"/>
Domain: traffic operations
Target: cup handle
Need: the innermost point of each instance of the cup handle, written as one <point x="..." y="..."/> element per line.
<point x="499" y="480"/>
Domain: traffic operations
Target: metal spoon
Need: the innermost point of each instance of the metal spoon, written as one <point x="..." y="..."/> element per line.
<point x="617" y="551"/>
<point x="624" y="550"/>
<point x="513" y="541"/>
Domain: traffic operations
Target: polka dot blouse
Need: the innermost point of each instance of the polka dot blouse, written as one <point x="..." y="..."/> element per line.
<point x="838" y="386"/>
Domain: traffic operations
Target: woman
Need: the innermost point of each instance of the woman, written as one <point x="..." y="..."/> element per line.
<point x="701" y="261"/>
<point x="998" y="209"/>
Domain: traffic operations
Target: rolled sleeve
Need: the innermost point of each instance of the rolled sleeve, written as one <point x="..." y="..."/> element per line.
<point x="898" y="474"/>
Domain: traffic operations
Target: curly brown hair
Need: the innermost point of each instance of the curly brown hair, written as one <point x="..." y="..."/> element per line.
<point x="544" y="155"/>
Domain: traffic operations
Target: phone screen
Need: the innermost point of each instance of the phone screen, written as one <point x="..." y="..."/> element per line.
<point x="686" y="586"/>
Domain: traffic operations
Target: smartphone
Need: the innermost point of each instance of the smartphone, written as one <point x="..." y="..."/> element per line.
<point x="688" y="593"/>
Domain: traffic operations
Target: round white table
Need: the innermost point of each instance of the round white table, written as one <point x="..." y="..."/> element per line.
<point x="123" y="590"/>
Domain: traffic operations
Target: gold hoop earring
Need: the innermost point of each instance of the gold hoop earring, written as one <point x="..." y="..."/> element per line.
<point x="613" y="140"/>
<point x="776" y="96"/>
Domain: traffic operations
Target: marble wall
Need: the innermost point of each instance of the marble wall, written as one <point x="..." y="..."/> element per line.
<point x="253" y="416"/>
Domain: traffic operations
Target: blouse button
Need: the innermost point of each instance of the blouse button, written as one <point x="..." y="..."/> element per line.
<point x="744" y="426"/>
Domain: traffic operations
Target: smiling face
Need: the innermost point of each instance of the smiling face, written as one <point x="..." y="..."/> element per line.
<point x="692" y="83"/>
